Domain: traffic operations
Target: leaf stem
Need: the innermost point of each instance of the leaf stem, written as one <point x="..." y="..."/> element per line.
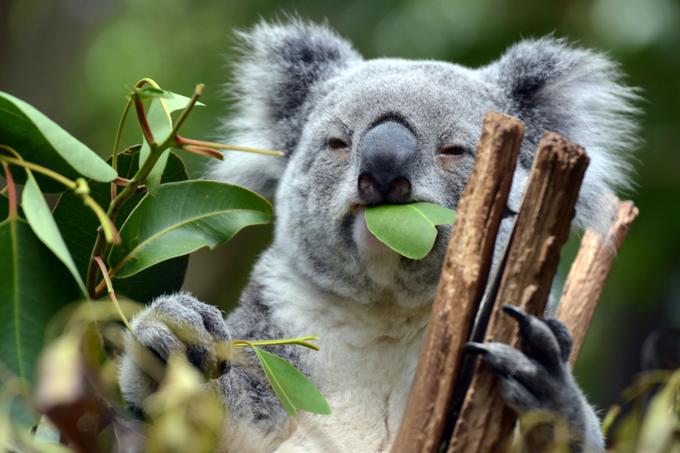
<point x="147" y="81"/>
<point x="181" y="141"/>
<point x="303" y="341"/>
<point x="116" y="144"/>
<point x="110" y="231"/>
<point x="112" y="293"/>
<point x="203" y="151"/>
<point x="40" y="169"/>
<point x="11" y="192"/>
<point x="143" y="120"/>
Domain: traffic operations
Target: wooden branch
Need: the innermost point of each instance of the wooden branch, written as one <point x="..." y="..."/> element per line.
<point x="588" y="274"/>
<point x="461" y="285"/>
<point x="485" y="423"/>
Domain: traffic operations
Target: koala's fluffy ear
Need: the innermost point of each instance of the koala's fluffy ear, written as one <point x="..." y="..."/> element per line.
<point x="279" y="68"/>
<point x="577" y="93"/>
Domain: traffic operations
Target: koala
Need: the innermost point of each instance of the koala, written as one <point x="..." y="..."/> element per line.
<point x="357" y="133"/>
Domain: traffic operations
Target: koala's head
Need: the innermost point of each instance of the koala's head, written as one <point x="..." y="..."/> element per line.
<point x="363" y="132"/>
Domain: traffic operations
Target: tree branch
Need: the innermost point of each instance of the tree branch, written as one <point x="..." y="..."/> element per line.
<point x="461" y="285"/>
<point x="485" y="423"/>
<point x="588" y="274"/>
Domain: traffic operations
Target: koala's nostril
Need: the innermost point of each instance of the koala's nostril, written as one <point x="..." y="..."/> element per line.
<point x="369" y="191"/>
<point x="399" y="191"/>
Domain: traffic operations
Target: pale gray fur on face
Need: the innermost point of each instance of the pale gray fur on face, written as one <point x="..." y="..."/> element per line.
<point x="299" y="85"/>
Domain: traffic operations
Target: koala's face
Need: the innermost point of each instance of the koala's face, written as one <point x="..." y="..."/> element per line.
<point x="383" y="131"/>
<point x="361" y="133"/>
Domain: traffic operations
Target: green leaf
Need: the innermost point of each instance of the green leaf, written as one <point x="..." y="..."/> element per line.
<point x="34" y="285"/>
<point x="294" y="390"/>
<point x="79" y="229"/>
<point x="408" y="229"/>
<point x="184" y="217"/>
<point x="42" y="223"/>
<point x="161" y="126"/>
<point x="40" y="140"/>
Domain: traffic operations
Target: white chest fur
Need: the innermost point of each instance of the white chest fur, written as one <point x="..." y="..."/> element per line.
<point x="365" y="367"/>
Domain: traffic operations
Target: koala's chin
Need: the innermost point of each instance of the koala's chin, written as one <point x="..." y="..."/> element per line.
<point x="381" y="262"/>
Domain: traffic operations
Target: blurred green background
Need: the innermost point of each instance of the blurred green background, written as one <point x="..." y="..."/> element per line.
<point x="75" y="59"/>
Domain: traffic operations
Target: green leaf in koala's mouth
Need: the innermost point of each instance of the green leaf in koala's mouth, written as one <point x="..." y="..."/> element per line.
<point x="408" y="229"/>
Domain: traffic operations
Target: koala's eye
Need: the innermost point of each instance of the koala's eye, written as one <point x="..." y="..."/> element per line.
<point x="337" y="144"/>
<point x="451" y="150"/>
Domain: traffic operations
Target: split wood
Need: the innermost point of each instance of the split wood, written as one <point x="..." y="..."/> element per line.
<point x="463" y="280"/>
<point x="485" y="423"/>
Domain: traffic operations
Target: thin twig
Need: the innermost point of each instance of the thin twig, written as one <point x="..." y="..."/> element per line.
<point x="112" y="293"/>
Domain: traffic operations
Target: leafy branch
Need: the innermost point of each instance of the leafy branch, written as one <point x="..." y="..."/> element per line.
<point x="156" y="151"/>
<point x="134" y="241"/>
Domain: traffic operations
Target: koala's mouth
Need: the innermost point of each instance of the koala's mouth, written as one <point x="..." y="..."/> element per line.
<point x="367" y="244"/>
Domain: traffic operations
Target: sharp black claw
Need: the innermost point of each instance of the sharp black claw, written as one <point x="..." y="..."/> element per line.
<point x="516" y="313"/>
<point x="475" y="348"/>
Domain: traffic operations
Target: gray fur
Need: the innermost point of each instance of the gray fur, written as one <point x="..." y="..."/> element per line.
<point x="297" y="86"/>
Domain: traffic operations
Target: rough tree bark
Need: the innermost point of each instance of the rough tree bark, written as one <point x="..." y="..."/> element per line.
<point x="588" y="274"/>
<point x="461" y="286"/>
<point x="485" y="423"/>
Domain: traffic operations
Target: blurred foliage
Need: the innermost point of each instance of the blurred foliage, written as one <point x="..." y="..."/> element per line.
<point x="78" y="393"/>
<point x="72" y="59"/>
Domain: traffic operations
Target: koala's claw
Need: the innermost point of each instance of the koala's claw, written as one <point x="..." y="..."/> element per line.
<point x="536" y="376"/>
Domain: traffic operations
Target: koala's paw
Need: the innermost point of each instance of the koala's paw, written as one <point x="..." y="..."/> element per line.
<point x="177" y="324"/>
<point x="538" y="377"/>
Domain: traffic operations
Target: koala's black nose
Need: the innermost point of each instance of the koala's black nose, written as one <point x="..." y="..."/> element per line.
<point x="386" y="151"/>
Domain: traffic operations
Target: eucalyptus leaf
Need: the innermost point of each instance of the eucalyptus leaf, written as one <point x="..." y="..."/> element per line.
<point x="42" y="141"/>
<point x="294" y="390"/>
<point x="42" y="223"/>
<point x="79" y="229"/>
<point x="160" y="122"/>
<point x="184" y="217"/>
<point x="34" y="285"/>
<point x="408" y="229"/>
